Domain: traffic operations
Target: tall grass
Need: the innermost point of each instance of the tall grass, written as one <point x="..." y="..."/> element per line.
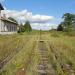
<point x="61" y="52"/>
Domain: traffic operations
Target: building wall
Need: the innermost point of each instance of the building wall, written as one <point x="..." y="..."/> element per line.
<point x="7" y="33"/>
<point x="0" y="14"/>
<point x="7" y="27"/>
<point x="10" y="27"/>
<point x="1" y="26"/>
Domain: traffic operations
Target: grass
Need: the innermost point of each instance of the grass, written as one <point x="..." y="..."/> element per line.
<point x="23" y="48"/>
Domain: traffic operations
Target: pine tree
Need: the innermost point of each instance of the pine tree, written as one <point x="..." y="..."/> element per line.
<point x="27" y="27"/>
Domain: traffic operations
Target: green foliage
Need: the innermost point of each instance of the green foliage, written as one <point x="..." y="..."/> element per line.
<point x="21" y="28"/>
<point x="54" y="34"/>
<point x="70" y="34"/>
<point x="60" y="28"/>
<point x="69" y="22"/>
<point x="27" y="27"/>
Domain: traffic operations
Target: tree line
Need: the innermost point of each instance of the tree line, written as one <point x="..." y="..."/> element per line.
<point x="22" y="28"/>
<point x="25" y="28"/>
<point x="68" y="23"/>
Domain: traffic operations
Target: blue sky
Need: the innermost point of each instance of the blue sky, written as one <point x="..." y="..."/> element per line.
<point x="47" y="7"/>
<point x="55" y="8"/>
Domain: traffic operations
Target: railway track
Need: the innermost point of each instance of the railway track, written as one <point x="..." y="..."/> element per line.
<point x="7" y="59"/>
<point x="44" y="67"/>
<point x="43" y="58"/>
<point x="22" y="71"/>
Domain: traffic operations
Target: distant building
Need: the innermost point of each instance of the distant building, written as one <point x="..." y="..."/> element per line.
<point x="7" y="26"/>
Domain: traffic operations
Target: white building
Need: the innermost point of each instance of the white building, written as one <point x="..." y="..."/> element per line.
<point x="7" y="26"/>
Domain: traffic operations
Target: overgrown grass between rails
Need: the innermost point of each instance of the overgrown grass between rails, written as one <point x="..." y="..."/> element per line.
<point x="59" y="60"/>
<point x="17" y="61"/>
<point x="63" y="52"/>
<point x="10" y="46"/>
<point x="29" y="62"/>
<point x="54" y="62"/>
<point x="6" y="47"/>
<point x="32" y="69"/>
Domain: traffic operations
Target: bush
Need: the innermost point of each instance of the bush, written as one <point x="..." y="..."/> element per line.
<point x="54" y="34"/>
<point x="60" y="28"/>
<point x="70" y="33"/>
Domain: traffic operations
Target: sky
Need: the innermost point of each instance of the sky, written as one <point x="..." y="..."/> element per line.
<point x="42" y="14"/>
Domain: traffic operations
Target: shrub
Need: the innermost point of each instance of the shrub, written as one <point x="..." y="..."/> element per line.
<point x="54" y="34"/>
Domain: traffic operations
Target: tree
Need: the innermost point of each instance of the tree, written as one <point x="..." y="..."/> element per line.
<point x="27" y="26"/>
<point x="60" y="28"/>
<point x="69" y="21"/>
<point x="21" y="28"/>
<point x="12" y="19"/>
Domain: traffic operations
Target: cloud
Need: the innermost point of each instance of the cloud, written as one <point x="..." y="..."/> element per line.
<point x="2" y="0"/>
<point x="25" y="15"/>
<point x="37" y="21"/>
<point x="42" y="18"/>
<point x="43" y="26"/>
